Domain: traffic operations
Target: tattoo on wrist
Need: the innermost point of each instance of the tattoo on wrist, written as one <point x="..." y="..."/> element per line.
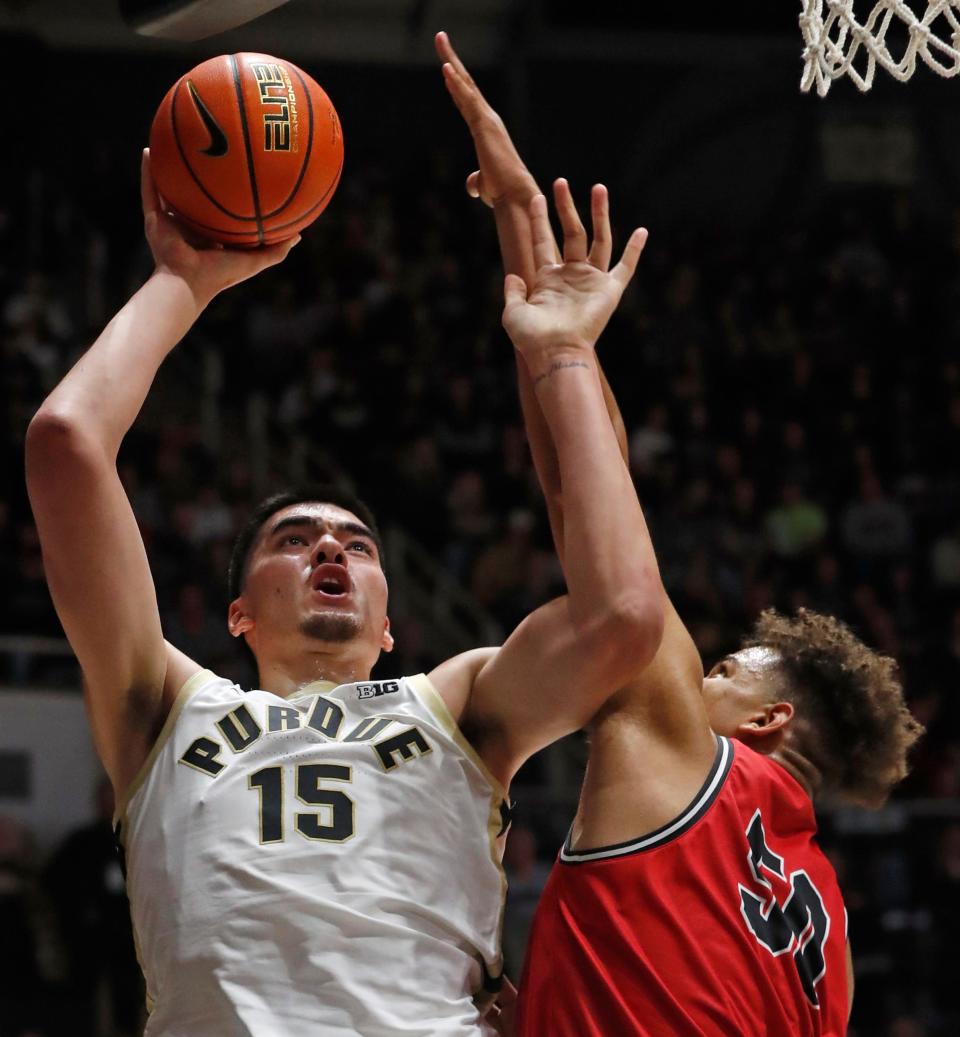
<point x="558" y="365"/>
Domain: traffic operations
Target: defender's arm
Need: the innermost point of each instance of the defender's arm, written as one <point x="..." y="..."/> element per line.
<point x="667" y="691"/>
<point x="561" y="663"/>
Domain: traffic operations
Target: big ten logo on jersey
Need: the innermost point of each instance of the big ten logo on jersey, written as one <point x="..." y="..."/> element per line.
<point x="278" y="99"/>
<point x="788" y="915"/>
<point x="375" y="690"/>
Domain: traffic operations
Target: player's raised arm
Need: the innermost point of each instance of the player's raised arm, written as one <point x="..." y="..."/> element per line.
<point x="95" y="561"/>
<point x="671" y="683"/>
<point x="561" y="663"/>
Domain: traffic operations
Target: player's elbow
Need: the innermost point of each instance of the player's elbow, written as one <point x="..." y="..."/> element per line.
<point x="629" y="633"/>
<point x="49" y="430"/>
<point x="640" y="619"/>
<point x="54" y="439"/>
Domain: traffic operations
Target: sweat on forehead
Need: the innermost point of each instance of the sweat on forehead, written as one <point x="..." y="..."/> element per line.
<point x="757" y="659"/>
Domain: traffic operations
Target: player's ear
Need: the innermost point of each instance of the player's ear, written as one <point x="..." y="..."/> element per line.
<point x="386" y="642"/>
<point x="765" y="731"/>
<point x="238" y="621"/>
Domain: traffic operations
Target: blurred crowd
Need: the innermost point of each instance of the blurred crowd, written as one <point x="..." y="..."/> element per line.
<point x="67" y="959"/>
<point x="792" y="400"/>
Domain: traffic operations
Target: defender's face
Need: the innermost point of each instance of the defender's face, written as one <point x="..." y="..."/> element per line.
<point x="739" y="688"/>
<point x="315" y="570"/>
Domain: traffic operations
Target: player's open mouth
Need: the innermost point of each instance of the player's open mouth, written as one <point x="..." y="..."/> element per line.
<point x="331" y="580"/>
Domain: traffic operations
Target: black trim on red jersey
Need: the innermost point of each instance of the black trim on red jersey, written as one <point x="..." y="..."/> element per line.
<point x="698" y="806"/>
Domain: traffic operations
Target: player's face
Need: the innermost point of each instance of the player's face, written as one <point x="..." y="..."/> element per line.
<point x="740" y="689"/>
<point x="314" y="574"/>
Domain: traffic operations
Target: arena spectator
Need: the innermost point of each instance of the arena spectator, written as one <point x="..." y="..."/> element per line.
<point x="875" y="527"/>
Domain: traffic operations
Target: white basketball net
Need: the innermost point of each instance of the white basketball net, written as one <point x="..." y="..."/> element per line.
<point x="835" y="41"/>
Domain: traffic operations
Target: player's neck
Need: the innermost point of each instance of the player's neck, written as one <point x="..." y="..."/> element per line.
<point x="286" y="676"/>
<point x="799" y="767"/>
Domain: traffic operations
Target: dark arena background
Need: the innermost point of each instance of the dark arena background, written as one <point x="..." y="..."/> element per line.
<point x="788" y="365"/>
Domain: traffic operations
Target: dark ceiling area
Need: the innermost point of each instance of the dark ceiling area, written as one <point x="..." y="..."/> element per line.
<point x="749" y="18"/>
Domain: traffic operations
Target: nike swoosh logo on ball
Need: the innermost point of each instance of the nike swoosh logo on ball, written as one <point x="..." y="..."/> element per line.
<point x="218" y="139"/>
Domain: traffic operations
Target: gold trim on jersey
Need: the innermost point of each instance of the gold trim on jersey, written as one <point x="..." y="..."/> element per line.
<point x="423" y="687"/>
<point x="190" y="687"/>
<point x="317" y="687"/>
<point x="494" y="822"/>
<point x="148" y="999"/>
<point x="433" y="700"/>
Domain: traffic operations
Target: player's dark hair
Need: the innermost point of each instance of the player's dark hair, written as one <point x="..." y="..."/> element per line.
<point x="319" y="494"/>
<point x="854" y="724"/>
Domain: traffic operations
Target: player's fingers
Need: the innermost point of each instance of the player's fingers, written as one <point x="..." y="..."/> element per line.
<point x="470" y="103"/>
<point x="545" y="251"/>
<point x="446" y="52"/>
<point x="270" y="255"/>
<point x="441" y="44"/>
<point x="473" y="184"/>
<point x="624" y="270"/>
<point x="574" y="234"/>
<point x="514" y="290"/>
<point x="148" y="191"/>
<point x="444" y="48"/>
<point x="602" y="246"/>
<point x="463" y="96"/>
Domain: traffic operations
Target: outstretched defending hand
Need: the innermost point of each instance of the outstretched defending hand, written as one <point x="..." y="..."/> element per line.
<point x="207" y="271"/>
<point x="570" y="303"/>
<point x="502" y="176"/>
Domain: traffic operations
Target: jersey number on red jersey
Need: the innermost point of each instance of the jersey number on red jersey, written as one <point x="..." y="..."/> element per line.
<point x="790" y="917"/>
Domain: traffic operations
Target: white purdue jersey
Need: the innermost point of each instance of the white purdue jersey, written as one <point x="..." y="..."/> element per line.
<point x="319" y="866"/>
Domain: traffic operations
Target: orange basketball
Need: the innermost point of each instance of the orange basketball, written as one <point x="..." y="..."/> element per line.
<point x="246" y="149"/>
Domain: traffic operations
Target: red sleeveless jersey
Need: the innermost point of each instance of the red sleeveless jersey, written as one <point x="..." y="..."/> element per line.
<point x="727" y="921"/>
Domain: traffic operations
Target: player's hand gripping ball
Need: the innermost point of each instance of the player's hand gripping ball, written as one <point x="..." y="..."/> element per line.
<point x="246" y="149"/>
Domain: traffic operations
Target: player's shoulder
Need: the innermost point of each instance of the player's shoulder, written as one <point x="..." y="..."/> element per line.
<point x="202" y="690"/>
<point x="181" y="670"/>
<point x="454" y="679"/>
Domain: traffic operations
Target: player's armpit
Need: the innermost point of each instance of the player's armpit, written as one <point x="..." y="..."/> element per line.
<point x="100" y="582"/>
